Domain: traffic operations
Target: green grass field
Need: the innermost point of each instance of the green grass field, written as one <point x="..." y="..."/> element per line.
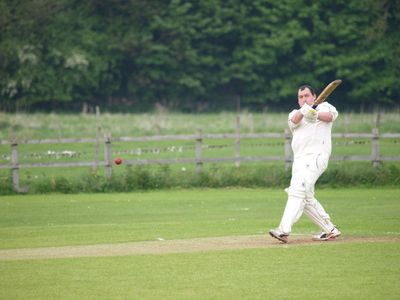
<point x="330" y="270"/>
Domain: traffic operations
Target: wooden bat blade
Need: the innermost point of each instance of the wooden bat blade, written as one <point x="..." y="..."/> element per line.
<point x="327" y="91"/>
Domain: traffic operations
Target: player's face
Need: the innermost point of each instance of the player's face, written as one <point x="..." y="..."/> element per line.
<point x="305" y="96"/>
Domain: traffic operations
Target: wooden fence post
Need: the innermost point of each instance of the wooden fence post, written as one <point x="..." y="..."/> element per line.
<point x="375" y="155"/>
<point x="15" y="166"/>
<point x="199" y="151"/>
<point x="107" y="155"/>
<point x="237" y="142"/>
<point x="288" y="149"/>
<point x="98" y="130"/>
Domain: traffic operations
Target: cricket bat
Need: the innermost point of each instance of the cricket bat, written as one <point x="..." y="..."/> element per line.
<point x="326" y="92"/>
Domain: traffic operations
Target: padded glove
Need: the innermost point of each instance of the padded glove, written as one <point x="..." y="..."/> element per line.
<point x="305" y="108"/>
<point x="311" y="116"/>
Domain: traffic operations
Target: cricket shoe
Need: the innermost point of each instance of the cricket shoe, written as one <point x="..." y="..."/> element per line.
<point x="323" y="236"/>
<point x="278" y="234"/>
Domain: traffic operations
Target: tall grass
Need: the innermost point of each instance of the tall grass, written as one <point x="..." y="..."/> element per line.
<point x="38" y="125"/>
<point x="142" y="178"/>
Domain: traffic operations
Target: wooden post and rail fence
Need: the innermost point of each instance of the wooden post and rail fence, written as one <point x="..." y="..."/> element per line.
<point x="375" y="157"/>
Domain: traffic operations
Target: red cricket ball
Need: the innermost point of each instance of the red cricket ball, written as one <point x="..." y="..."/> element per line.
<point x="118" y="161"/>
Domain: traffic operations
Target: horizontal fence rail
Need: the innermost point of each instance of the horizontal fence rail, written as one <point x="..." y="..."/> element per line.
<point x="198" y="156"/>
<point x="190" y="137"/>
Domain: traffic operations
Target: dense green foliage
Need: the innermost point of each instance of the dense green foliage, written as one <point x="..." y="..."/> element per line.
<point x="193" y="55"/>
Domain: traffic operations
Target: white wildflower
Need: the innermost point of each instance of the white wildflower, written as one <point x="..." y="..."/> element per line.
<point x="76" y="61"/>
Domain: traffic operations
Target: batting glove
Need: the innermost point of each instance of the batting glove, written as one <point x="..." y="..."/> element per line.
<point x="305" y="109"/>
<point x="311" y="116"/>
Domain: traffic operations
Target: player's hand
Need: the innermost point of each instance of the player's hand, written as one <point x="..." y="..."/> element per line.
<point x="305" y="109"/>
<point x="311" y="116"/>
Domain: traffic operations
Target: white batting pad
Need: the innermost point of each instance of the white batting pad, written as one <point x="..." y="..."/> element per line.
<point x="293" y="211"/>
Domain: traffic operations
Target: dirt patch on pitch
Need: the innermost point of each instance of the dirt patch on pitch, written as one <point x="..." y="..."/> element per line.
<point x="176" y="246"/>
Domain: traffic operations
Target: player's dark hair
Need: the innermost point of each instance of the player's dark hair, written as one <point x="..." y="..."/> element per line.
<point x="306" y="86"/>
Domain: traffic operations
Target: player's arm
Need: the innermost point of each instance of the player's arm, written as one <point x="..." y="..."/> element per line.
<point x="291" y="124"/>
<point x="325" y="116"/>
<point x="327" y="113"/>
<point x="305" y="111"/>
<point x="296" y="117"/>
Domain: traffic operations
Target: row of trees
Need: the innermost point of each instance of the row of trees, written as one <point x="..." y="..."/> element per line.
<point x="188" y="54"/>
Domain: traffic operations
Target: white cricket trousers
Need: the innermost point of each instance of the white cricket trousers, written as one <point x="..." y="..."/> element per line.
<point x="305" y="173"/>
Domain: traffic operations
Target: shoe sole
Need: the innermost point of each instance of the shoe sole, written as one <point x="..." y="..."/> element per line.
<point x="328" y="238"/>
<point x="282" y="239"/>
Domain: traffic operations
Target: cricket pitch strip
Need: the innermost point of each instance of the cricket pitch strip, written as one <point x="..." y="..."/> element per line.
<point x="178" y="246"/>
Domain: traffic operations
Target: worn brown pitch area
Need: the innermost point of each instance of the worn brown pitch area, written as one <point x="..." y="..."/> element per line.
<point x="177" y="246"/>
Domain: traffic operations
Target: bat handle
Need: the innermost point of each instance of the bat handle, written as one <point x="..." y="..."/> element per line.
<point x="314" y="106"/>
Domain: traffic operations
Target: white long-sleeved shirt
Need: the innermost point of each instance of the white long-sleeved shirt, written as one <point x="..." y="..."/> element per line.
<point x="315" y="137"/>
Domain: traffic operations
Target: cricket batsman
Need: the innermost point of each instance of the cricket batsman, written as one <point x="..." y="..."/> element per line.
<point x="311" y="126"/>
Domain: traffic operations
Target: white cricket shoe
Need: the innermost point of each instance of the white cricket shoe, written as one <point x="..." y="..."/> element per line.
<point x="323" y="236"/>
<point x="280" y="235"/>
